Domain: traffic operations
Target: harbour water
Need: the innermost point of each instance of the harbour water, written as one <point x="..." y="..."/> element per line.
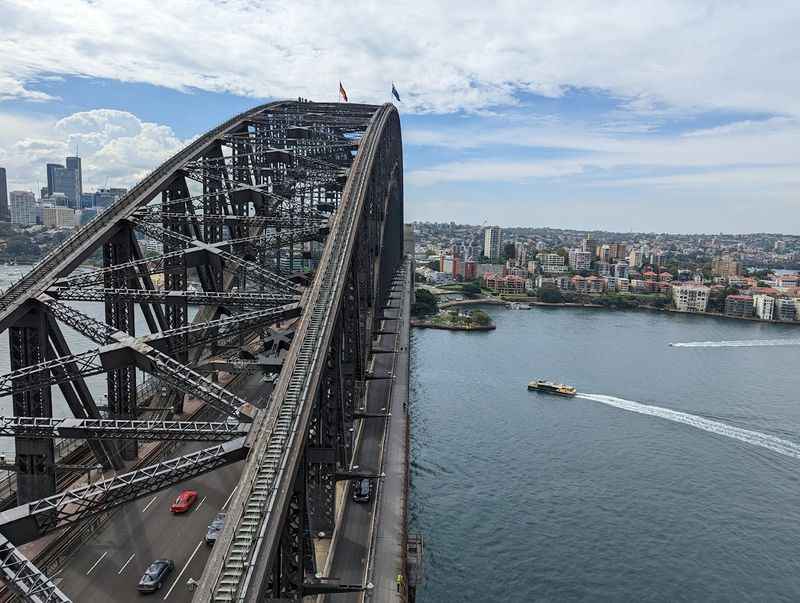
<point x="673" y="476"/>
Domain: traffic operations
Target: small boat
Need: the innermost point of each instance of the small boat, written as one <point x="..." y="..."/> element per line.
<point x="548" y="387"/>
<point x="519" y="306"/>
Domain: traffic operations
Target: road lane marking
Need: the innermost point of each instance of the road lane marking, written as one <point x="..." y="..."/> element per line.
<point x="228" y="500"/>
<point x="150" y="503"/>
<point x="126" y="564"/>
<point x="188" y="561"/>
<point x="96" y="563"/>
<point x="200" y="504"/>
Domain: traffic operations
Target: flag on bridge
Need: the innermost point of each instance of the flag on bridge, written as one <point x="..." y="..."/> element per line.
<point x="342" y="92"/>
<point x="395" y="93"/>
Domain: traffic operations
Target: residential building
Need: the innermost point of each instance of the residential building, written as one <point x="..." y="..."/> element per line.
<point x="603" y="268"/>
<point x="764" y="306"/>
<point x="617" y="251"/>
<point x="588" y="245"/>
<point x="551" y="263"/>
<point x="690" y="298"/>
<point x="786" y="281"/>
<point x="482" y="269"/>
<point x="726" y="267"/>
<point x="635" y="258"/>
<point x="623" y="284"/>
<point x="580" y="284"/>
<point x="779" y="246"/>
<point x="58" y="217"/>
<point x="23" y="207"/>
<point x="580" y="260"/>
<point x="595" y="284"/>
<point x="785" y="309"/>
<point x="5" y="214"/>
<point x="740" y="306"/>
<point x="621" y="269"/>
<point x="506" y="285"/>
<point x="603" y="253"/>
<point x="492" y="241"/>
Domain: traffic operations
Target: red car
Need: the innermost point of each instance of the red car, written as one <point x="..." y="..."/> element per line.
<point x="184" y="501"/>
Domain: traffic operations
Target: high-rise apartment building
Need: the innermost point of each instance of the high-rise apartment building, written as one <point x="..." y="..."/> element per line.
<point x="23" y="207"/>
<point x="690" y="297"/>
<point x="492" y="240"/>
<point x="764" y="306"/>
<point x="726" y="267"/>
<point x="5" y="215"/>
<point x="580" y="260"/>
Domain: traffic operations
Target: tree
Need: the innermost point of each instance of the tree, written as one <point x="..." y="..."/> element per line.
<point x="550" y="294"/>
<point x="471" y="288"/>
<point x="480" y="317"/>
<point x="425" y="304"/>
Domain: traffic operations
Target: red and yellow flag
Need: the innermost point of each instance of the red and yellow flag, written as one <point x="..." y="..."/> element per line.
<point x="342" y="92"/>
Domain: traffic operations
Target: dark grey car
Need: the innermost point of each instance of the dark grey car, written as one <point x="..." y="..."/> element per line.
<point x="214" y="528"/>
<point x="362" y="488"/>
<point x="155" y="575"/>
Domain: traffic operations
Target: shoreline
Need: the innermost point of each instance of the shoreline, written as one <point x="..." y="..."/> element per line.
<point x="424" y="324"/>
<point x="533" y="302"/>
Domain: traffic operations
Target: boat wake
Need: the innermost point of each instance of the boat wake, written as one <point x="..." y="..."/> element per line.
<point x="748" y="436"/>
<point x="752" y="343"/>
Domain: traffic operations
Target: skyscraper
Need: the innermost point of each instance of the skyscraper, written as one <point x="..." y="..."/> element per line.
<point x="67" y="180"/>
<point x="74" y="164"/>
<point x="492" y="238"/>
<point x="5" y="216"/>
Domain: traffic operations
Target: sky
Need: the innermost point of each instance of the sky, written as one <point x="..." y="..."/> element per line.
<point x="645" y="116"/>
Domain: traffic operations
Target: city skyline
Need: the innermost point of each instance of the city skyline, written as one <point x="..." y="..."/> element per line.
<point x="635" y="132"/>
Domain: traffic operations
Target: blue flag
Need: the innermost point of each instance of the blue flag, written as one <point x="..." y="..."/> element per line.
<point x="395" y="94"/>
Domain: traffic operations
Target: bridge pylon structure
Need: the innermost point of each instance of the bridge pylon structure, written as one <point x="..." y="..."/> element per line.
<point x="286" y="218"/>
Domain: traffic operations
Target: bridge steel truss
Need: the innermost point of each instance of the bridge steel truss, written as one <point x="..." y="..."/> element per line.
<point x="288" y="216"/>
<point x="288" y="484"/>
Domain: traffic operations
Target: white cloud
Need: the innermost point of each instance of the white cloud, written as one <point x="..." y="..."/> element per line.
<point x="116" y="147"/>
<point x="769" y="144"/>
<point x="444" y="56"/>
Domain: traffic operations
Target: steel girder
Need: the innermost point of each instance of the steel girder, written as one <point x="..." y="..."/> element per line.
<point x="30" y="521"/>
<point x="269" y="178"/>
<point x="25" y="579"/>
<point x="177" y="298"/>
<point x="35" y="459"/>
<point x="105" y="429"/>
<point x="245" y="556"/>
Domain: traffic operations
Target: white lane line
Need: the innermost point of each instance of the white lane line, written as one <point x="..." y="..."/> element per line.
<point x="96" y="563"/>
<point x="230" y="496"/>
<point x="122" y="569"/>
<point x="188" y="561"/>
<point x="200" y="504"/>
<point x="150" y="503"/>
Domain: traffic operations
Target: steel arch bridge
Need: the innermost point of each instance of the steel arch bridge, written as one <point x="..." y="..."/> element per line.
<point x="288" y="214"/>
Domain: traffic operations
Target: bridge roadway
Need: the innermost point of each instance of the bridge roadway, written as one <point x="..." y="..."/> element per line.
<point x="103" y="569"/>
<point x="354" y="540"/>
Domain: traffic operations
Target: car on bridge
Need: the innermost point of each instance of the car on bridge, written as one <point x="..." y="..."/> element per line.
<point x="184" y="502"/>
<point x="155" y="575"/>
<point x="214" y="529"/>
<point x="362" y="489"/>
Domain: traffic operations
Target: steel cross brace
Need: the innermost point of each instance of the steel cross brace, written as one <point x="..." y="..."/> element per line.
<point x="25" y="578"/>
<point x="31" y="520"/>
<point x="201" y="431"/>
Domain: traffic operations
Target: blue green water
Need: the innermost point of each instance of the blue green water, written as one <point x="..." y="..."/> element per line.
<point x="524" y="497"/>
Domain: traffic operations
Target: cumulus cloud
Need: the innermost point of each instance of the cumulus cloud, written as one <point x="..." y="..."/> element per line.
<point x="115" y="146"/>
<point x="445" y="56"/>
